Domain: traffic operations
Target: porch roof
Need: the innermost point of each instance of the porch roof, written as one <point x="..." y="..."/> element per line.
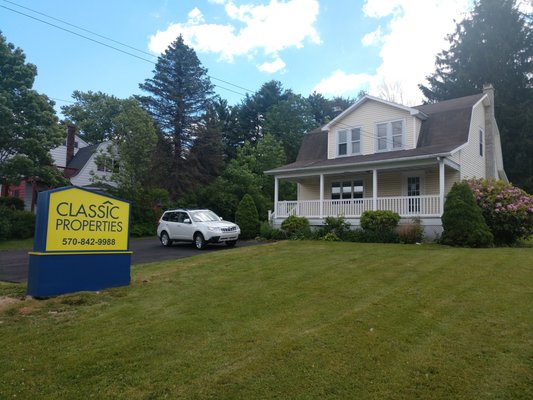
<point x="445" y="129"/>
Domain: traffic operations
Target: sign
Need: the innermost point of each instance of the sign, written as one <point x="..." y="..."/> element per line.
<point x="80" y="220"/>
<point x="81" y="242"/>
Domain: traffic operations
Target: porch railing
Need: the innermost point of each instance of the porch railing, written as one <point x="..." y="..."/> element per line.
<point x="406" y="206"/>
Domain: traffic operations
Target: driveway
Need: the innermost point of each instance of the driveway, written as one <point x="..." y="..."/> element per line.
<point x="14" y="264"/>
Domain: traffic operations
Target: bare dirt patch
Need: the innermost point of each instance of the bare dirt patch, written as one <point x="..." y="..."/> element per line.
<point x="6" y="302"/>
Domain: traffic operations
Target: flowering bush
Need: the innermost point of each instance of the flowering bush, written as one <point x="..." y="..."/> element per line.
<point x="508" y="210"/>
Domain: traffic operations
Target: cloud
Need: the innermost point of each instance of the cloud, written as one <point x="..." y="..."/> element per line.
<point x="415" y="32"/>
<point x="373" y="38"/>
<point x="271" y="67"/>
<point x="257" y="30"/>
<point x="341" y="83"/>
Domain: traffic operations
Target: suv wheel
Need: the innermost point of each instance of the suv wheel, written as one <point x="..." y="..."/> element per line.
<point x="199" y="241"/>
<point x="165" y="239"/>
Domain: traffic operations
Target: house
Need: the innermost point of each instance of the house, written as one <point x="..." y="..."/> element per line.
<point x="75" y="157"/>
<point x="379" y="155"/>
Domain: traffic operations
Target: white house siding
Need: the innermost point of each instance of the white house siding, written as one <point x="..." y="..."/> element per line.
<point x="309" y="189"/>
<point x="390" y="184"/>
<point x="366" y="116"/>
<point x="59" y="154"/>
<point x="84" y="177"/>
<point x="472" y="164"/>
<point x="452" y="176"/>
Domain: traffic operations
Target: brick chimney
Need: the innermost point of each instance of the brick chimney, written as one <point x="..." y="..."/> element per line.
<point x="490" y="156"/>
<point x="71" y="138"/>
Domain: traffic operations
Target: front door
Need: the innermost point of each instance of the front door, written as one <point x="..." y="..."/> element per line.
<point x="413" y="190"/>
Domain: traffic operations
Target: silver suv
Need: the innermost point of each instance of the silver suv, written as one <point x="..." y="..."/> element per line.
<point x="197" y="226"/>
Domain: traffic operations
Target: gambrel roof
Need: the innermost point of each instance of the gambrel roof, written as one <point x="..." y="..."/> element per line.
<point x="444" y="128"/>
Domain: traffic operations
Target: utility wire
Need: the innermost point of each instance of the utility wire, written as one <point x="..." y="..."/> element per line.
<point x="107" y="45"/>
<point x="80" y="28"/>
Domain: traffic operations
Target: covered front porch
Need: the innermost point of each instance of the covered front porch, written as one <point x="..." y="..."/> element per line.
<point x="409" y="189"/>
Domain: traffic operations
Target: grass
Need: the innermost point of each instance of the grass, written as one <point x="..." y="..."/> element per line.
<point x="25" y="244"/>
<point x="289" y="320"/>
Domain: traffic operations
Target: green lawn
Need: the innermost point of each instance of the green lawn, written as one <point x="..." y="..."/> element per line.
<point x="287" y="320"/>
<point x="25" y="244"/>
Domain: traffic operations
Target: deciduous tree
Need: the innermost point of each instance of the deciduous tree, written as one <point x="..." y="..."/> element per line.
<point x="29" y="127"/>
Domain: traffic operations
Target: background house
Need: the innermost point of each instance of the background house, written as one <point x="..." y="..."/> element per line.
<point x="379" y="155"/>
<point x="75" y="157"/>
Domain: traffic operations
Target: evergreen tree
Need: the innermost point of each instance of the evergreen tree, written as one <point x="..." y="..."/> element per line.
<point x="29" y="127"/>
<point x="462" y="221"/>
<point x="208" y="149"/>
<point x="180" y="93"/>
<point x="494" y="45"/>
<point x="247" y="218"/>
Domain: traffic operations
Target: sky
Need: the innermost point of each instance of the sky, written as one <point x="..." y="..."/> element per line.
<point x="333" y="47"/>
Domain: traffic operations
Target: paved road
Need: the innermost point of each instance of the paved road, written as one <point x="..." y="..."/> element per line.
<point x="14" y="264"/>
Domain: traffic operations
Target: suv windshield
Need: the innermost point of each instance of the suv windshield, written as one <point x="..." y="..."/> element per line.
<point x="204" y="216"/>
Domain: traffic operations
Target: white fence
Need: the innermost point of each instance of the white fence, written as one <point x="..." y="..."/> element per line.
<point x="406" y="206"/>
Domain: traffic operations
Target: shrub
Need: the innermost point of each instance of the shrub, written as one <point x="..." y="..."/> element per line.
<point x="296" y="227"/>
<point x="356" y="235"/>
<point x="16" y="224"/>
<point x="22" y="224"/>
<point x="379" y="221"/>
<point x="331" y="237"/>
<point x="411" y="232"/>
<point x="13" y="203"/>
<point x="143" y="229"/>
<point x="247" y="218"/>
<point x="269" y="233"/>
<point x="337" y="226"/>
<point x="507" y="210"/>
<point x="462" y="220"/>
<point x="5" y="223"/>
<point x="383" y="236"/>
<point x="378" y="226"/>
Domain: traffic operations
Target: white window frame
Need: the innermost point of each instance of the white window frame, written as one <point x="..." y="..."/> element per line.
<point x="389" y="138"/>
<point x="341" y="186"/>
<point x="349" y="141"/>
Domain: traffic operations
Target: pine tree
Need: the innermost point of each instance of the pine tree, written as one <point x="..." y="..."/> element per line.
<point x="180" y="94"/>
<point x="462" y="221"/>
<point x="494" y="45"/>
<point x="247" y="218"/>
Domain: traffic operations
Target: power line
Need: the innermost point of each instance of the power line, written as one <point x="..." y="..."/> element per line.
<point x="107" y="45"/>
<point x="80" y="28"/>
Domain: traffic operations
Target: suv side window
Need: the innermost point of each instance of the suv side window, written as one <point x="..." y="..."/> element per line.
<point x="166" y="216"/>
<point x="173" y="217"/>
<point x="182" y="216"/>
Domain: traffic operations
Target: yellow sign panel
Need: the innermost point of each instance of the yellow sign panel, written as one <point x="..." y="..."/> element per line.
<point x="80" y="220"/>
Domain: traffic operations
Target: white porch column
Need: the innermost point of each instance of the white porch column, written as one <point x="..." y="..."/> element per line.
<point x="321" y="195"/>
<point x="374" y="189"/>
<point x="441" y="185"/>
<point x="276" y="190"/>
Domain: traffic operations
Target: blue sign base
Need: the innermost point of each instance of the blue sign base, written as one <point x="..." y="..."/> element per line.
<point x="54" y="274"/>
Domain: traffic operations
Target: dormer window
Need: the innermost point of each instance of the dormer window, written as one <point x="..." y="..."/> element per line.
<point x="348" y="142"/>
<point x="390" y="136"/>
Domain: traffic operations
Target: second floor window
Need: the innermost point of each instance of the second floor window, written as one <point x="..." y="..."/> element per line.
<point x="107" y="165"/>
<point x="349" y="142"/>
<point x="389" y="136"/>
